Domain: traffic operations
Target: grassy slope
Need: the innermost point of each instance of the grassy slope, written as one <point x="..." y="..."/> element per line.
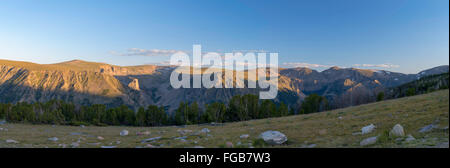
<point x="323" y="129"/>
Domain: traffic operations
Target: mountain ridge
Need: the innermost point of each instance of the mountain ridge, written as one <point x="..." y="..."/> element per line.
<point x="85" y="82"/>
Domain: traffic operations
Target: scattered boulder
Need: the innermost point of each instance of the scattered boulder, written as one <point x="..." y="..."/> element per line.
<point x="409" y="138"/>
<point x="397" y="131"/>
<point x="82" y="126"/>
<point x="54" y="139"/>
<point x="124" y="133"/>
<point x="183" y="132"/>
<point x="94" y="144"/>
<point x="11" y="141"/>
<point x="427" y="128"/>
<point x="3" y="129"/>
<point x="367" y="129"/>
<point x="75" y="145"/>
<point x="150" y="139"/>
<point x="205" y="130"/>
<point x="182" y="139"/>
<point x="150" y="146"/>
<point x="244" y="136"/>
<point x="100" y="138"/>
<point x="368" y="141"/>
<point x="309" y="146"/>
<point x="273" y="137"/>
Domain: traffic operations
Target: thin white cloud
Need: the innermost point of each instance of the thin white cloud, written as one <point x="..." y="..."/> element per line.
<point x="306" y="65"/>
<point x="377" y="65"/>
<point x="146" y="52"/>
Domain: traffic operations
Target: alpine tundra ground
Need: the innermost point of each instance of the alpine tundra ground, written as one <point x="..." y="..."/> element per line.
<point x="337" y="128"/>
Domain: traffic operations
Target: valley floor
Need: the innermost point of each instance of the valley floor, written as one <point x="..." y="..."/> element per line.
<point x="337" y="128"/>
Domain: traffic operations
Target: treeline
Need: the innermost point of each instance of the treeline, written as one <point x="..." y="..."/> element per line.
<point x="239" y="108"/>
<point x="421" y="86"/>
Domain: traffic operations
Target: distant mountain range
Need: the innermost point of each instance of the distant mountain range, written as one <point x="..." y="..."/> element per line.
<point x="86" y="83"/>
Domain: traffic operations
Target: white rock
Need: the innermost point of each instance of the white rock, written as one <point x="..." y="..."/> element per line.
<point x="244" y="136"/>
<point x="75" y="145"/>
<point x="108" y="147"/>
<point x="11" y="141"/>
<point x="183" y="132"/>
<point x="367" y="129"/>
<point x="410" y="138"/>
<point x="397" y="131"/>
<point x="368" y="141"/>
<point x="150" y="139"/>
<point x="205" y="130"/>
<point x="54" y="139"/>
<point x="273" y="137"/>
<point x="124" y="133"/>
<point x="100" y="138"/>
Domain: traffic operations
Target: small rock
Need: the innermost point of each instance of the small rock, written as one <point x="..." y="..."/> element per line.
<point x="229" y="144"/>
<point x="205" y="130"/>
<point x="273" y="137"/>
<point x="150" y="146"/>
<point x="368" y="141"/>
<point x="11" y="141"/>
<point x="356" y="133"/>
<point x="94" y="144"/>
<point x="397" y="131"/>
<point x="75" y="145"/>
<point x="124" y="133"/>
<point x="108" y="147"/>
<point x="442" y="145"/>
<point x="150" y="139"/>
<point x="427" y="128"/>
<point x="182" y="139"/>
<point x="409" y="138"/>
<point x="100" y="138"/>
<point x="244" y="136"/>
<point x="62" y="145"/>
<point x="367" y="129"/>
<point x="183" y="132"/>
<point x="311" y="146"/>
<point x="82" y="126"/>
<point x="340" y="117"/>
<point x="54" y="139"/>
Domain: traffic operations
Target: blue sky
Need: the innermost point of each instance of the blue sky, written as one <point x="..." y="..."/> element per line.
<point x="397" y="35"/>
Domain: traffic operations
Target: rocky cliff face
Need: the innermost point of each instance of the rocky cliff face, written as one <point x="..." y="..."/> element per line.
<point x="91" y="83"/>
